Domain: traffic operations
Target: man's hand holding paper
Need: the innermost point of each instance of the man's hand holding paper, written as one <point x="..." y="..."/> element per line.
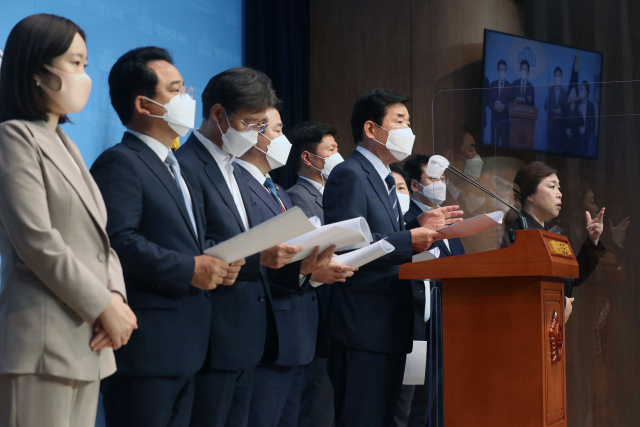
<point x="279" y="255"/>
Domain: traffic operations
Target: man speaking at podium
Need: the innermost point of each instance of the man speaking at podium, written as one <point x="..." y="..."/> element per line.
<point x="370" y="317"/>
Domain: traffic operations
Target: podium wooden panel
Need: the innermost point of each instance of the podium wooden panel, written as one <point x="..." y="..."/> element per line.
<point x="523" y="126"/>
<point x="498" y="307"/>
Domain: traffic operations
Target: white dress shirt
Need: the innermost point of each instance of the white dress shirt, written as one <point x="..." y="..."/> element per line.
<point x="224" y="161"/>
<point x="162" y="151"/>
<point x="68" y="153"/>
<point x="318" y="186"/>
<point x="382" y="170"/>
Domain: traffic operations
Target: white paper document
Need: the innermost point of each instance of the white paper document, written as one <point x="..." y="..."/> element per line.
<point x="362" y="256"/>
<point x="471" y="226"/>
<point x="270" y="233"/>
<point x="350" y="234"/>
<point x="416" y="366"/>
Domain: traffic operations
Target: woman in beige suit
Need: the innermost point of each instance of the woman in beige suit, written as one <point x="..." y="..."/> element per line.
<point x="62" y="296"/>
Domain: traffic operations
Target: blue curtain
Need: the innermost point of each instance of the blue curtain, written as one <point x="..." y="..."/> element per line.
<point x="277" y="43"/>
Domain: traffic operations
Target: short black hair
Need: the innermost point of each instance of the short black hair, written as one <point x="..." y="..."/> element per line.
<point x="32" y="43"/>
<point x="131" y="77"/>
<point x="586" y="85"/>
<point x="306" y="137"/>
<point x="395" y="167"/>
<point x="373" y="105"/>
<point x="502" y="62"/>
<point x="525" y="62"/>
<point x="414" y="166"/>
<point x="238" y="88"/>
<point x="556" y="70"/>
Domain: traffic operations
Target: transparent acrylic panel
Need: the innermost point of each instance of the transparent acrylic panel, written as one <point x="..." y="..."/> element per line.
<point x="594" y="146"/>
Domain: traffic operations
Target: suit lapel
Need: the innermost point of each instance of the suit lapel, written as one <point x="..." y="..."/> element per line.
<point x="217" y="179"/>
<point x="443" y="247"/>
<point x="379" y="186"/>
<point x="47" y="141"/>
<point x="312" y="190"/>
<point x="261" y="192"/>
<point x="247" y="198"/>
<point x="161" y="171"/>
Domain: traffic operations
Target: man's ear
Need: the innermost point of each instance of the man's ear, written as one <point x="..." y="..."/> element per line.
<point x="305" y="156"/>
<point x="369" y="130"/>
<point x="217" y="114"/>
<point x="414" y="186"/>
<point x="141" y="106"/>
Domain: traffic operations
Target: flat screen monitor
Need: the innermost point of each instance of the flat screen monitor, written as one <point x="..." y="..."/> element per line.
<point x="540" y="96"/>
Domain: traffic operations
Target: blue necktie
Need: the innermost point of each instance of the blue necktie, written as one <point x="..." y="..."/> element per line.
<point x="393" y="197"/>
<point x="274" y="192"/>
<point x="175" y="168"/>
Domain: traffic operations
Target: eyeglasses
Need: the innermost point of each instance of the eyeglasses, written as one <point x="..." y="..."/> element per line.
<point x="257" y="127"/>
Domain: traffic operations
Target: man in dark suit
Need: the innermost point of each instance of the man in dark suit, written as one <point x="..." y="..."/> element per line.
<point x="301" y="328"/>
<point x="588" y="113"/>
<point x="314" y="153"/>
<point x="242" y="325"/>
<point x="426" y="404"/>
<point x="556" y="99"/>
<point x="499" y="98"/>
<point x="522" y="91"/>
<point x="370" y="318"/>
<point x="158" y="234"/>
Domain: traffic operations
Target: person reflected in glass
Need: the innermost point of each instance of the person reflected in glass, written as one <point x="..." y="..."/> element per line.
<point x="571" y="123"/>
<point x="588" y="115"/>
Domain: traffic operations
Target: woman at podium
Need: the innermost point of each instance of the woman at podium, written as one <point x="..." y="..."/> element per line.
<point x="541" y="201"/>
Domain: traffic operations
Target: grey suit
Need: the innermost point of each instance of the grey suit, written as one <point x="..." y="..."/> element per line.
<point x="316" y="409"/>
<point x="308" y="198"/>
<point x="58" y="271"/>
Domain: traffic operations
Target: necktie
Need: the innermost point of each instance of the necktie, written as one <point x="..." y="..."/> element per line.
<point x="175" y="168"/>
<point x="557" y="94"/>
<point x="393" y="197"/>
<point x="500" y="92"/>
<point x="274" y="192"/>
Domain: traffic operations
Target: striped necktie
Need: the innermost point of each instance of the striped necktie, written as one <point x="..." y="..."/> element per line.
<point x="393" y="197"/>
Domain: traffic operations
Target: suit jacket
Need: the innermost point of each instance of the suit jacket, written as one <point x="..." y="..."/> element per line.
<point x="58" y="270"/>
<point x="504" y="97"/>
<point x="301" y="329"/>
<point x="241" y="312"/>
<point x="571" y="119"/>
<point x="372" y="311"/>
<point x="419" y="296"/>
<point x="589" y="120"/>
<point x="307" y="197"/>
<point x="516" y="91"/>
<point x="551" y="104"/>
<point x="150" y="229"/>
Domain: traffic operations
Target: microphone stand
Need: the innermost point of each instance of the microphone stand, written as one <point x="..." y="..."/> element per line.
<point x="522" y="220"/>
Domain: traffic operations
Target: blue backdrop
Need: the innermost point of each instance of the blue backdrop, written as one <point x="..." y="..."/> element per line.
<point x="204" y="37"/>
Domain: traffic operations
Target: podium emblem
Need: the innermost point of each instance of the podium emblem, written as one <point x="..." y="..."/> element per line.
<point x="555" y="339"/>
<point x="560" y="248"/>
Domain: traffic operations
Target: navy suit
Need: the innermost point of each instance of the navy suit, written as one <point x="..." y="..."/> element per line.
<point x="242" y="325"/>
<point x="317" y="395"/>
<point x="150" y="230"/>
<point x="277" y="390"/>
<point x="370" y="317"/>
<point x="529" y="91"/>
<point x="500" y="121"/>
<point x="426" y="401"/>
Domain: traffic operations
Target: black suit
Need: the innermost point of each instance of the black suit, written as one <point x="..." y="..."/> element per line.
<point x="277" y="390"/>
<point x="528" y="92"/>
<point x="500" y="121"/>
<point x="555" y="133"/>
<point x="370" y="317"/>
<point x="150" y="230"/>
<point x="589" y="128"/>
<point x="317" y="395"/>
<point x="571" y="120"/>
<point x="241" y="333"/>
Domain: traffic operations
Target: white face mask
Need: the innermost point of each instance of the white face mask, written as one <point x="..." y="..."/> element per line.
<point x="473" y="167"/>
<point x="399" y="142"/>
<point x="405" y="201"/>
<point x="329" y="163"/>
<point x="237" y="143"/>
<point x="180" y="112"/>
<point x="277" y="152"/>
<point x="503" y="75"/>
<point x="73" y="93"/>
<point x="435" y="192"/>
<point x="558" y="80"/>
<point x="523" y="75"/>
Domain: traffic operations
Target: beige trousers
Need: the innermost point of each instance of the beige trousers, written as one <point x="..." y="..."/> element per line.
<point x="34" y="400"/>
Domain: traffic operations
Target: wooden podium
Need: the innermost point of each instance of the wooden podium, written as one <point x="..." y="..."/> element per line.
<point x="503" y="325"/>
<point x="523" y="125"/>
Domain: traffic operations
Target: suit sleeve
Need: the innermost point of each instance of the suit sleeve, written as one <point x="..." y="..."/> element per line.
<point x="25" y="217"/>
<point x="165" y="270"/>
<point x="588" y="260"/>
<point x="345" y="198"/>
<point x="300" y="202"/>
<point x="116" y="280"/>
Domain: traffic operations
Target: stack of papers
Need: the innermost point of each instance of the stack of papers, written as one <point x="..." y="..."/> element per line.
<point x="471" y="226"/>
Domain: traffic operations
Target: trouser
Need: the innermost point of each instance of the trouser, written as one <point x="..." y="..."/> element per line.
<point x="44" y="400"/>
<point x="316" y="408"/>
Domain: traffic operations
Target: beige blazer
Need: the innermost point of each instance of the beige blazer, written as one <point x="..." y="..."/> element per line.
<point x="58" y="269"/>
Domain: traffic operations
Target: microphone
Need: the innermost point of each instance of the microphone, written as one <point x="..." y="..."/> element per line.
<point x="522" y="220"/>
